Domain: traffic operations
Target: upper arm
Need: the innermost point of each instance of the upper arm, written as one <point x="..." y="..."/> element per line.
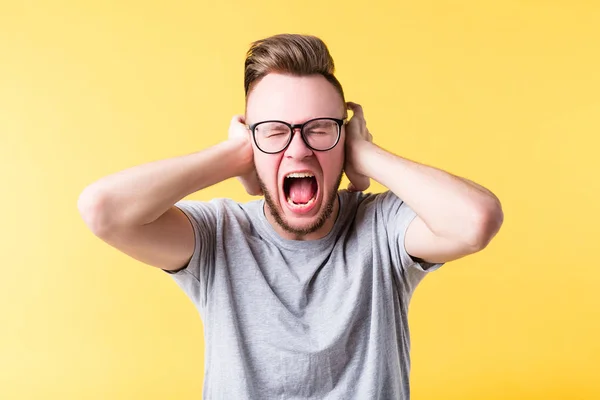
<point x="166" y="243"/>
<point x="421" y="243"/>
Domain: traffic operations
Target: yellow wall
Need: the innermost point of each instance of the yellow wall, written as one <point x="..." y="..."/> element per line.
<point x="505" y="93"/>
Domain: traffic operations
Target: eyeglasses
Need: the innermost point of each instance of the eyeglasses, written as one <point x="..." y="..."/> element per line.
<point x="319" y="134"/>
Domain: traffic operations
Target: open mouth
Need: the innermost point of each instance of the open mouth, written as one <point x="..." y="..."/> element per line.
<point x="300" y="189"/>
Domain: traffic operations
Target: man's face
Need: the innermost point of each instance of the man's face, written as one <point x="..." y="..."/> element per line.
<point x="301" y="206"/>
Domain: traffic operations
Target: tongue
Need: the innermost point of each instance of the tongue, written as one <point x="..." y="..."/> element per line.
<point x="302" y="189"/>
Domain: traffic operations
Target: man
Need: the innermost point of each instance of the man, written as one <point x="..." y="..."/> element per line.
<point x="305" y="293"/>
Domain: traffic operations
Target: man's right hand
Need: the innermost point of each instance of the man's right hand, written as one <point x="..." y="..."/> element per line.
<point x="239" y="131"/>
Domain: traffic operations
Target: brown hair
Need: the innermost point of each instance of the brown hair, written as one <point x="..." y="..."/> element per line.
<point x="293" y="54"/>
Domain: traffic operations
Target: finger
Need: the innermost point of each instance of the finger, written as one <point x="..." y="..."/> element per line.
<point x="240" y="119"/>
<point x="357" y="110"/>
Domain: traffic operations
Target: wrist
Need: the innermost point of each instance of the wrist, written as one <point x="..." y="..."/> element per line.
<point x="360" y="152"/>
<point x="239" y="155"/>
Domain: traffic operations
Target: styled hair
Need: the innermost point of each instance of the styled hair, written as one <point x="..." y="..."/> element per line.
<point x="293" y="54"/>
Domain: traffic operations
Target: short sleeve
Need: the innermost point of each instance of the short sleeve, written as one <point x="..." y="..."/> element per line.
<point x="398" y="216"/>
<point x="194" y="278"/>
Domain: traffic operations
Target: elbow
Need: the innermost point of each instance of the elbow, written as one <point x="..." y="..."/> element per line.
<point x="487" y="222"/>
<point x="91" y="207"/>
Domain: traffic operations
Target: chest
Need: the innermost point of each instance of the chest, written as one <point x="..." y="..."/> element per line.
<point x="305" y="289"/>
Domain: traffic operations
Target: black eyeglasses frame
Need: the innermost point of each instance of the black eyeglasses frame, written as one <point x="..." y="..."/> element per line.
<point x="340" y="123"/>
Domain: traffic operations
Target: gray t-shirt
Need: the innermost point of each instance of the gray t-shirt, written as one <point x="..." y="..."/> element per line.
<point x="319" y="319"/>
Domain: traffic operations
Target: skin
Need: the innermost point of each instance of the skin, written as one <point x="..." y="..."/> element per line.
<point x="295" y="100"/>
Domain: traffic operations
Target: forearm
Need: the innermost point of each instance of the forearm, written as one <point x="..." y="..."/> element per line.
<point x="141" y="194"/>
<point x="452" y="207"/>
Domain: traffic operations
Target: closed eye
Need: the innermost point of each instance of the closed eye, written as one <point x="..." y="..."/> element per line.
<point x="271" y="134"/>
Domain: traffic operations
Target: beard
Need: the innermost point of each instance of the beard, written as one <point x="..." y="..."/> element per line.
<point x="324" y="215"/>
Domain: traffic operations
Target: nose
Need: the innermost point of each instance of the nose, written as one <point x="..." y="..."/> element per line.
<point x="297" y="148"/>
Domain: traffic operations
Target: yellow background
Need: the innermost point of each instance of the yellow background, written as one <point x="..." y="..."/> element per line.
<point x="504" y="93"/>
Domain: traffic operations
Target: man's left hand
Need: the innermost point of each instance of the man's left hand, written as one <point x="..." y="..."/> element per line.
<point x="356" y="134"/>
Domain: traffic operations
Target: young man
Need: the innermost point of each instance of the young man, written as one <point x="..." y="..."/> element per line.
<point x="305" y="293"/>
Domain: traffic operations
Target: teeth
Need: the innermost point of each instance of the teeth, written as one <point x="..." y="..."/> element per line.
<point x="300" y="205"/>
<point x="299" y="175"/>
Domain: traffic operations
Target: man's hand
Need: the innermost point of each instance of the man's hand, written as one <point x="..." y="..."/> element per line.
<point x="356" y="132"/>
<point x="239" y="131"/>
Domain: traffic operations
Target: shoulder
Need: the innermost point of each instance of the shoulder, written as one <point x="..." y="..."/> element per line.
<point x="239" y="215"/>
<point x="220" y="209"/>
<point x="372" y="208"/>
<point x="369" y="201"/>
